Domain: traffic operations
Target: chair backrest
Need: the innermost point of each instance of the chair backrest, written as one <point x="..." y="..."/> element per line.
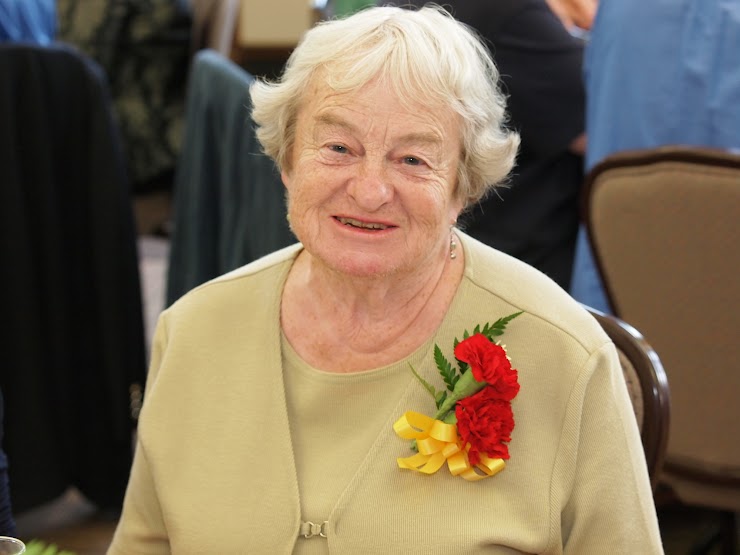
<point x="229" y="201"/>
<point x="70" y="297"/>
<point x="647" y="385"/>
<point x="663" y="225"/>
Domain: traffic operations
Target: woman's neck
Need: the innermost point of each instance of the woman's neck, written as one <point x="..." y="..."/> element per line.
<point x="345" y="324"/>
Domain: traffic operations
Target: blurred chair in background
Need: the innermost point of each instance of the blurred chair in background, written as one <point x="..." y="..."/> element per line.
<point x="214" y="25"/>
<point x="229" y="201"/>
<point x="70" y="297"/>
<point x="7" y="523"/>
<point x="664" y="229"/>
<point x="647" y="385"/>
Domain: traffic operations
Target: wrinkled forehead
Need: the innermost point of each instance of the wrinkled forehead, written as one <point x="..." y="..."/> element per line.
<point x="379" y="93"/>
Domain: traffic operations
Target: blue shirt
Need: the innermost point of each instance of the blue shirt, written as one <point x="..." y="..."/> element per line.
<point x="31" y="21"/>
<point x="662" y="72"/>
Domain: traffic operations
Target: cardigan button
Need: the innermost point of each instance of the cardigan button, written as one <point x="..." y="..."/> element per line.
<point x="311" y="530"/>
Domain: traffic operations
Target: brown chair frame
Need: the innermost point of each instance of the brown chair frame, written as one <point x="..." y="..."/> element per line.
<point x="653" y="388"/>
<point x="639" y="166"/>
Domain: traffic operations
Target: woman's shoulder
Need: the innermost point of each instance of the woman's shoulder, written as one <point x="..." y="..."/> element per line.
<point x="255" y="282"/>
<point x="501" y="279"/>
<point x="272" y="262"/>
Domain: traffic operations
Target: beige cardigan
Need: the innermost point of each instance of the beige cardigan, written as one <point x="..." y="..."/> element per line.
<point x="214" y="471"/>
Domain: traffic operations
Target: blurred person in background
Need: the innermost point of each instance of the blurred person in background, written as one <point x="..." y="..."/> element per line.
<point x="576" y="15"/>
<point x="535" y="218"/>
<point x="657" y="73"/>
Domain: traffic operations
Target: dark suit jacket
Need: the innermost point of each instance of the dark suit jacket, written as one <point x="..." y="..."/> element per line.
<point x="536" y="218"/>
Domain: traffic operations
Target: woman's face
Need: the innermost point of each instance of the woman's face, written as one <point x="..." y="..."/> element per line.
<point x="371" y="182"/>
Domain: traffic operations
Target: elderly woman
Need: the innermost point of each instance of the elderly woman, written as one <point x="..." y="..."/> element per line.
<point x="287" y="408"/>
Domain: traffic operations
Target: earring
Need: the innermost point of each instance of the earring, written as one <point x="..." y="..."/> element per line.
<point x="453" y="243"/>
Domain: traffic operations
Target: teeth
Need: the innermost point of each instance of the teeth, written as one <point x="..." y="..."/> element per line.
<point x="363" y="225"/>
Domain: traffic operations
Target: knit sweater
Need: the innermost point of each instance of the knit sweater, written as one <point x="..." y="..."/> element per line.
<point x="215" y="472"/>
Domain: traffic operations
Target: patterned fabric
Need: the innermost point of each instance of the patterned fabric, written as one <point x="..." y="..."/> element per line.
<point x="634" y="388"/>
<point x="144" y="47"/>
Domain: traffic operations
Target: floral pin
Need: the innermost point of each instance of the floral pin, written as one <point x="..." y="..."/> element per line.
<point x="474" y="420"/>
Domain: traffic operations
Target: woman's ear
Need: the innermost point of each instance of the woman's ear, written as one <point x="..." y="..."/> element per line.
<point x="285" y="176"/>
<point x="457" y="206"/>
<point x="286" y="167"/>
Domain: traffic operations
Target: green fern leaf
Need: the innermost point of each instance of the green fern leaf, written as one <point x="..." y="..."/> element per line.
<point x="448" y="373"/>
<point x="499" y="326"/>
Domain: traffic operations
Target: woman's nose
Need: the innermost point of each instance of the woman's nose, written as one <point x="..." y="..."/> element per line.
<point x="371" y="187"/>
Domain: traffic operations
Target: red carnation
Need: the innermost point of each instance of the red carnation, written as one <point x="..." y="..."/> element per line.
<point x="489" y="364"/>
<point x="485" y="421"/>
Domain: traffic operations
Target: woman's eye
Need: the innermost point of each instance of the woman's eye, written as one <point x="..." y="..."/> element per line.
<point x="412" y="161"/>
<point x="338" y="148"/>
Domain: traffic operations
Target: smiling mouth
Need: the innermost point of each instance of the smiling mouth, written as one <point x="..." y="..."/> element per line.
<point x="351" y="222"/>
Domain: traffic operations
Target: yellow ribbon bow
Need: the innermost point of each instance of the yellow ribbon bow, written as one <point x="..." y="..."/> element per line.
<point x="438" y="442"/>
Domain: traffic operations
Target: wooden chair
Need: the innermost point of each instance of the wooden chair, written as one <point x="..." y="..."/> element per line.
<point x="647" y="385"/>
<point x="663" y="225"/>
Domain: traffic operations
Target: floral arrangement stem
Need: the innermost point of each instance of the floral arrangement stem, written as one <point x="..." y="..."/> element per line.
<point x="467" y="385"/>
